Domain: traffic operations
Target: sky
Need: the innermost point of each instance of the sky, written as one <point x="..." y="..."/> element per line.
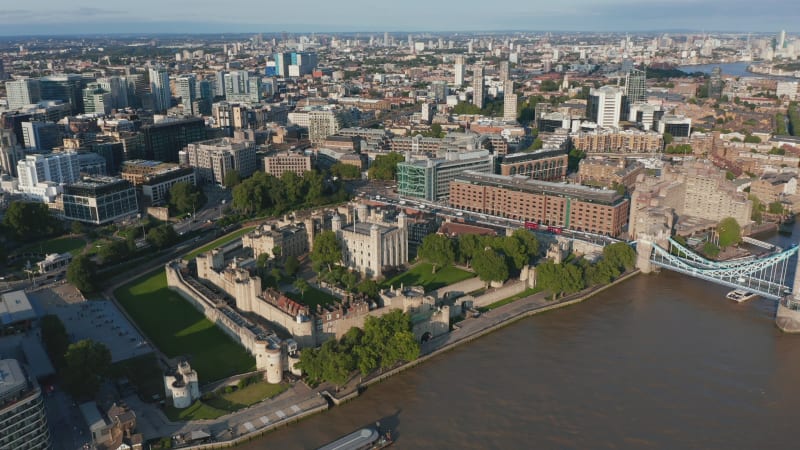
<point x="245" y="16"/>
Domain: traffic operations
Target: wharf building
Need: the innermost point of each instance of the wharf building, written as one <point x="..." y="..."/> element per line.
<point x="23" y="421"/>
<point x="369" y="245"/>
<point x="579" y="208"/>
<point x="609" y="172"/>
<point x="430" y="179"/>
<point x="617" y="141"/>
<point x="696" y="189"/>
<point x="604" y="106"/>
<point x="214" y="158"/>
<point x="546" y="165"/>
<point x="154" y="179"/>
<point x="98" y="200"/>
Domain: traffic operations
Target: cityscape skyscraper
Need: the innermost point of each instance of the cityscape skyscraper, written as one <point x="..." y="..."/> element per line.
<point x="159" y="88"/>
<point x="477" y="86"/>
<point x="509" y="102"/>
<point x="635" y="86"/>
<point x="186" y="89"/>
<point x="604" y="106"/>
<point x="22" y="92"/>
<point x="459" y="69"/>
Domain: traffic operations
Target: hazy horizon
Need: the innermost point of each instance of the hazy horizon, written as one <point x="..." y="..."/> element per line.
<point x="183" y="17"/>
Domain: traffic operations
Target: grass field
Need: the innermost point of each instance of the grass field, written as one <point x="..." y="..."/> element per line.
<point x="420" y="275"/>
<point x="224" y="403"/>
<point x="72" y="245"/>
<point x="313" y="297"/>
<point x="221" y="241"/>
<point x="178" y="329"/>
<point x="513" y="298"/>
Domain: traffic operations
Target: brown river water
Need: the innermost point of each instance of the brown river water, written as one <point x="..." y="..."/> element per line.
<point x="660" y="361"/>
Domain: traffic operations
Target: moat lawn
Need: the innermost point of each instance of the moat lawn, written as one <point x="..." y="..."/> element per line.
<point x="74" y="245"/>
<point x="221" y="241"/>
<point x="177" y="329"/>
<point x="421" y="275"/>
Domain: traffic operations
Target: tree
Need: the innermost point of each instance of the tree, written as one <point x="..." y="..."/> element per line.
<point x="346" y="171"/>
<point x="77" y="227"/>
<point x="277" y="251"/>
<point x="620" y="255"/>
<point x="729" y="232"/>
<point x="438" y="250"/>
<point x="775" y="207"/>
<point x="291" y="265"/>
<point x="232" y="179"/>
<point x="185" y="197"/>
<point x="528" y="240"/>
<point x="574" y="159"/>
<point x="491" y="266"/>
<point x="55" y="339"/>
<point x="349" y="280"/>
<point x="368" y="287"/>
<point x="82" y="272"/>
<point x="27" y="221"/>
<point x="301" y="285"/>
<point x="385" y="166"/>
<point x="750" y="139"/>
<point x="114" y="251"/>
<point x="326" y="252"/>
<point x="549" y="86"/>
<point x="469" y="245"/>
<point x="667" y="138"/>
<point x="162" y="236"/>
<point x="86" y="365"/>
<point x="387" y="340"/>
<point x="710" y="249"/>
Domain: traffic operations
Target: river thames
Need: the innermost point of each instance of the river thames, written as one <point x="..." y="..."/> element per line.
<point x="660" y="361"/>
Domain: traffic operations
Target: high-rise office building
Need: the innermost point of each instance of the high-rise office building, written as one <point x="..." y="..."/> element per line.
<point x="323" y="123"/>
<point x="159" y="88"/>
<point x="163" y="140"/>
<point x="22" y="92"/>
<point x="439" y="91"/>
<point x="214" y="158"/>
<point x="504" y="71"/>
<point x="23" y="421"/>
<point x="715" y="83"/>
<point x="282" y="62"/>
<point x="186" y="89"/>
<point x="385" y="38"/>
<point x="3" y="74"/>
<point x="42" y="176"/>
<point x="99" y="200"/>
<point x="604" y="106"/>
<point x="67" y="88"/>
<point x="42" y="136"/>
<point x="96" y="100"/>
<point x="635" y="86"/>
<point x="460" y="70"/>
<point x="118" y="88"/>
<point x="509" y="102"/>
<point x="11" y="152"/>
<point x="477" y="86"/>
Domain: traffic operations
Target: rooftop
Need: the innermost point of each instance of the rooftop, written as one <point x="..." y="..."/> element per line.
<point x="15" y="307"/>
<point x="523" y="183"/>
<point x="11" y="377"/>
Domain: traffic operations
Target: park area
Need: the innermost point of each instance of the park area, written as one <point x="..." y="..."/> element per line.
<point x="74" y="245"/>
<point x="422" y="275"/>
<point x="179" y="330"/>
<point x="217" y="243"/>
<point x="226" y="400"/>
<point x="312" y="297"/>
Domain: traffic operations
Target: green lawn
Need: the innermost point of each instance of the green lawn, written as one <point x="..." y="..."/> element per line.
<point x="72" y="245"/>
<point x="219" y="404"/>
<point x="178" y="329"/>
<point x="420" y="275"/>
<point x="313" y="297"/>
<point x="513" y="298"/>
<point x="221" y="241"/>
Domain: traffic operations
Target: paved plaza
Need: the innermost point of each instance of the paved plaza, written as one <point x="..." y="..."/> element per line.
<point x="98" y="320"/>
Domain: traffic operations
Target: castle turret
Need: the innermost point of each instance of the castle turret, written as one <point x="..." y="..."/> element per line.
<point x="336" y="222"/>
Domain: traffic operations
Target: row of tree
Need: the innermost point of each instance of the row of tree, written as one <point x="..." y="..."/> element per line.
<point x="266" y="194"/>
<point x="576" y="274"/>
<point x="493" y="258"/>
<point x="27" y="221"/>
<point x="384" y="342"/>
<point x="82" y="366"/>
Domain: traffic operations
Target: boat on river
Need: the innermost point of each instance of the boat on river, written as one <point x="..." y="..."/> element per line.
<point x="740" y="295"/>
<point x="368" y="438"/>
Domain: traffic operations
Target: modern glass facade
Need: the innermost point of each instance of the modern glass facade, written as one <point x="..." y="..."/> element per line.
<point x="99" y="200"/>
<point x="23" y="422"/>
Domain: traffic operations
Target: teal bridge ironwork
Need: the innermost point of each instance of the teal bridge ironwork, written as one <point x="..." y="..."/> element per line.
<point x="764" y="276"/>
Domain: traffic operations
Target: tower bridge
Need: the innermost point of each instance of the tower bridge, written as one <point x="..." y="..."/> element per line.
<point x="765" y="276"/>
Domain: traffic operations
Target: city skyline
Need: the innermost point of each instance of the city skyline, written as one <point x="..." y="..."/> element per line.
<point x="357" y="15"/>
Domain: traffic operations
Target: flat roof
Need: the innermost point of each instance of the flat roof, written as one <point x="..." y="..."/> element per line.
<point x="11" y="376"/>
<point x="92" y="415"/>
<point x="523" y="183"/>
<point x="15" y="307"/>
